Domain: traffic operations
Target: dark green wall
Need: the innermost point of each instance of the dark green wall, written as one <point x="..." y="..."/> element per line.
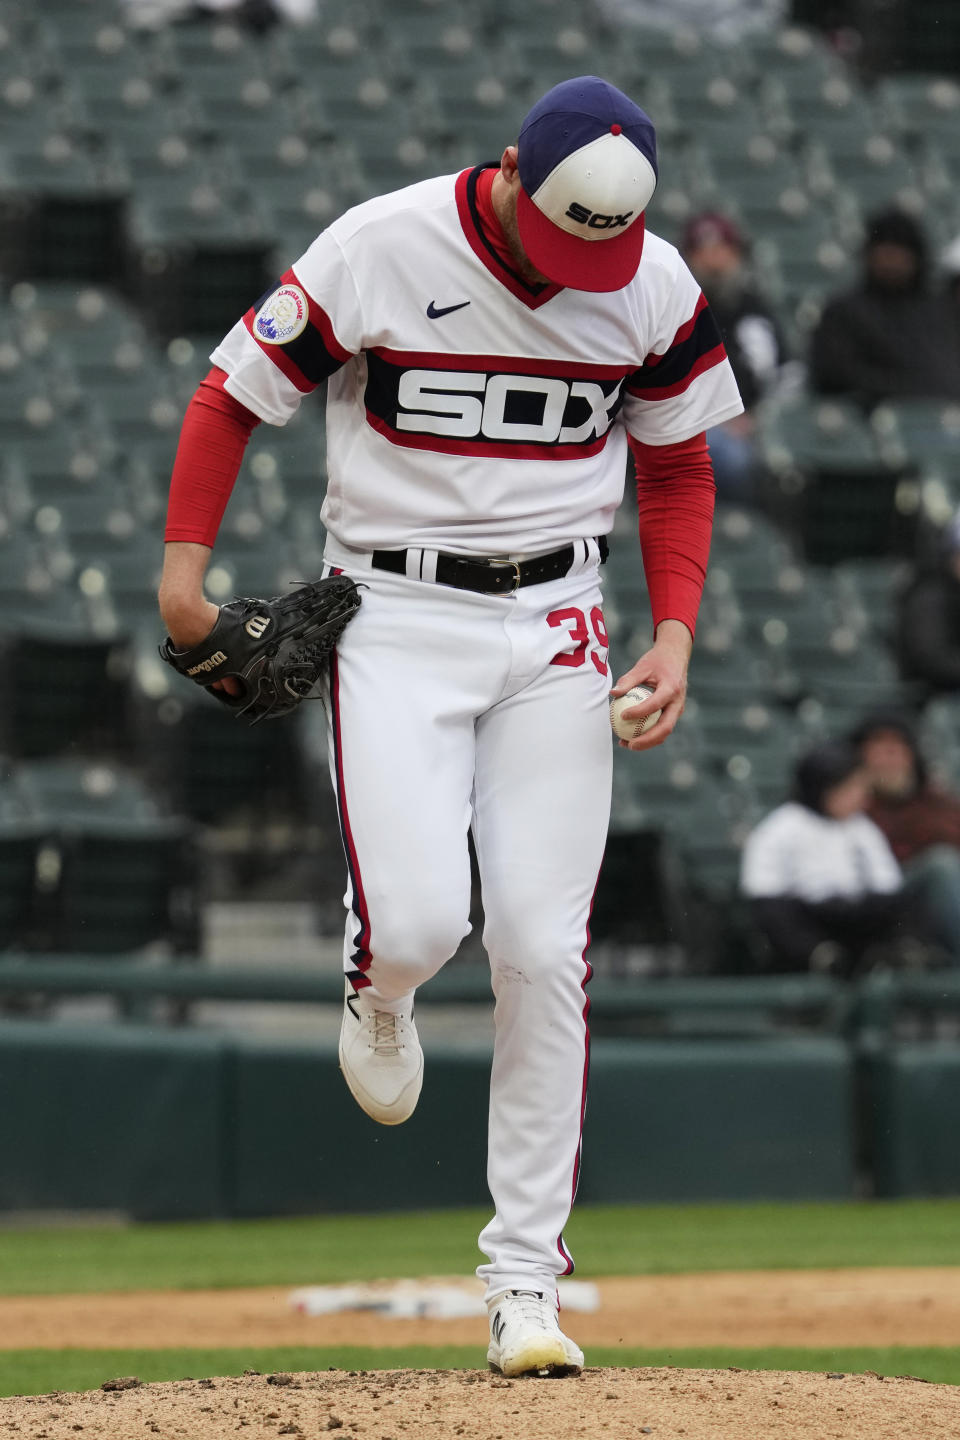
<point x="911" y="1106"/>
<point x="111" y="1117"/>
<point x="164" y="1123"/>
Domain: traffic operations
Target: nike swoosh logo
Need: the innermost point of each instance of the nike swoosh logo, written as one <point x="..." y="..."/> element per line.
<point x="434" y="314"/>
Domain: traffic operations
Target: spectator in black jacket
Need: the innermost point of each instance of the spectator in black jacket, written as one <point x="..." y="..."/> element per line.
<point x="930" y="620"/>
<point x="717" y="252"/>
<point x="892" y="337"/>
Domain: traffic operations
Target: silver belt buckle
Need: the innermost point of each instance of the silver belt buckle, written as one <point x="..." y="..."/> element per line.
<point x="503" y="562"/>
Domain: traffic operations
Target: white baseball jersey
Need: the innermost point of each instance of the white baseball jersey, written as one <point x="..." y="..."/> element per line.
<point x="467" y="411"/>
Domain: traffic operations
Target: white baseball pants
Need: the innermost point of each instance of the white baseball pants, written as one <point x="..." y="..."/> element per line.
<point x="450" y="709"/>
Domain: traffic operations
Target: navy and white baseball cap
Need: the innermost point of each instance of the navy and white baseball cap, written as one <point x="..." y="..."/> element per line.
<point x="587" y="159"/>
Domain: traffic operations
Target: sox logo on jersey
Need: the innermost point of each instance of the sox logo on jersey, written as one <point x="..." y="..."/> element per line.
<point x="533" y="409"/>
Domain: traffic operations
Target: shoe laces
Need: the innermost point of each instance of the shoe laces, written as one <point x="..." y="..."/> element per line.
<point x="386" y="1033"/>
<point x="534" y="1308"/>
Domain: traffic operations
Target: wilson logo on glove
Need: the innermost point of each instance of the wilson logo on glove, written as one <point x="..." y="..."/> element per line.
<point x="304" y="627"/>
<point x="205" y="666"/>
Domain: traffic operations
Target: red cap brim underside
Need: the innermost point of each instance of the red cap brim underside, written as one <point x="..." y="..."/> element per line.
<point x="606" y="264"/>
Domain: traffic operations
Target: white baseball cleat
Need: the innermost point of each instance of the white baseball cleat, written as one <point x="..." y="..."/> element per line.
<point x="381" y="1058"/>
<point x="525" y="1336"/>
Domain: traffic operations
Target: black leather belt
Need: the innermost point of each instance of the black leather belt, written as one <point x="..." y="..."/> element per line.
<point x="495" y="576"/>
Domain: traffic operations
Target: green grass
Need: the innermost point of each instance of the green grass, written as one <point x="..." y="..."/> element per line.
<point x="37" y="1372"/>
<point x="605" y="1240"/>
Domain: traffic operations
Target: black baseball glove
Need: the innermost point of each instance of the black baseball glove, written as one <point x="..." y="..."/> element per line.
<point x="277" y="649"/>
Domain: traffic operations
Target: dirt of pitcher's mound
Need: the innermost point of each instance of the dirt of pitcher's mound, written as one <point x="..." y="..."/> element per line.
<point x="615" y="1404"/>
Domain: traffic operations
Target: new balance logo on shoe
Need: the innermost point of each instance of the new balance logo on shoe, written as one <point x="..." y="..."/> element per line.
<point x="496" y="1327"/>
<point x="434" y="314"/>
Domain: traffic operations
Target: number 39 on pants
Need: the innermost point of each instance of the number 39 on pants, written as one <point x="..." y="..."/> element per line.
<point x="584" y="637"/>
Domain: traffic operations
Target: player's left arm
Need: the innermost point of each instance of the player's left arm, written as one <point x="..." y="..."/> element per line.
<point x="684" y="386"/>
<point x="675" y="495"/>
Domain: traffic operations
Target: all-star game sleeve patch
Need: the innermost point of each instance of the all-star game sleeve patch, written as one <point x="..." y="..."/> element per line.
<point x="296" y="334"/>
<point x="282" y="317"/>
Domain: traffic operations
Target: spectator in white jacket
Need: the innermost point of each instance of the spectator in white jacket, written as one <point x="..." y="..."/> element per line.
<point x="824" y="884"/>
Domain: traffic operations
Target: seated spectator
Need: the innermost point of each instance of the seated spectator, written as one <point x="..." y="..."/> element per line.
<point x="892" y="337"/>
<point x="824" y="885"/>
<point x="716" y="252"/>
<point x="920" y="820"/>
<point x="929" y="619"/>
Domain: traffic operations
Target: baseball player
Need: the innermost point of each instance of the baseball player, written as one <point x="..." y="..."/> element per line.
<point x="492" y="342"/>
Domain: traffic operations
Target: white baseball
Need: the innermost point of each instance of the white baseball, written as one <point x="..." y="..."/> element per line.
<point x="630" y="729"/>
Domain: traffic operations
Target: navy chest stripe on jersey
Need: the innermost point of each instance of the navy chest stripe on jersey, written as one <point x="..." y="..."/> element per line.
<point x="311" y="356"/>
<point x="697" y="346"/>
<point x="490" y="412"/>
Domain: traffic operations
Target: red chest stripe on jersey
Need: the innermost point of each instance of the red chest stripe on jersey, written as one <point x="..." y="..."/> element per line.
<point x="487" y="449"/>
<point x="312" y="355"/>
<point x="494" y="413"/>
<point x="696" y="347"/>
<point x="502" y="364"/>
<point x="533" y="296"/>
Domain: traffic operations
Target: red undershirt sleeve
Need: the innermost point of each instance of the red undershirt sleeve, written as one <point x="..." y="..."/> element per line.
<point x="675" y="498"/>
<point x="213" y="437"/>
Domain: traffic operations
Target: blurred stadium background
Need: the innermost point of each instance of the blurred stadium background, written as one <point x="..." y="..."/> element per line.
<point x="169" y="881"/>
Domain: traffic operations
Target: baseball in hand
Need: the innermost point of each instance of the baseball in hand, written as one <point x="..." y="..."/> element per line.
<point x="631" y="729"/>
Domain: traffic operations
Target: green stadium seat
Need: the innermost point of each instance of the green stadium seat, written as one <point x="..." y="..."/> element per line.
<point x="870" y="169"/>
<point x="264" y="564"/>
<point x="26" y="407"/>
<point x="121" y="568"/>
<point x="441" y="42"/>
<point x="196" y="258"/>
<point x="478" y="111"/>
<point x="222" y="44"/>
<point x="924" y="108"/>
<point x="20" y="841"/>
<point x="221" y="770"/>
<point x="543" y="56"/>
<point x="124" y="875"/>
<point x="24" y="570"/>
<point x="725" y="666"/>
<point x="288" y="464"/>
<point x="65" y="687"/>
<point x="297" y="145"/>
<point x="791" y="52"/>
<point x="868" y="592"/>
<point x="806" y="434"/>
<point x="351" y="44"/>
<point x="82" y="791"/>
<point x="818" y="107"/>
<point x="68" y="312"/>
<point x="78" y="510"/>
<point x="28" y="114"/>
<point x="711" y="99"/>
<point x="924" y="434"/>
<point x="939" y="734"/>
